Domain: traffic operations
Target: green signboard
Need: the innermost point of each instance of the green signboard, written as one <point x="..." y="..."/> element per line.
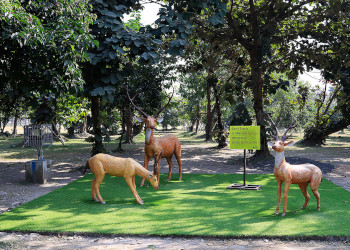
<point x="245" y="137"/>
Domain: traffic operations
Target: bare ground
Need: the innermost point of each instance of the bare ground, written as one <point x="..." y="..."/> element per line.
<point x="196" y="159"/>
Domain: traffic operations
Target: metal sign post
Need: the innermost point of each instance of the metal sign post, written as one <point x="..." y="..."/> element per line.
<point x="244" y="137"/>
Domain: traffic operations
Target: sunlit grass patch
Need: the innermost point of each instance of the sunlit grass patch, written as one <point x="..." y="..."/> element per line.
<point x="197" y="205"/>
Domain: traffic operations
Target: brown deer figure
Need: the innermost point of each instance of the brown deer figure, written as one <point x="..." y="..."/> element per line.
<point x="169" y="145"/>
<point x="102" y="164"/>
<point x="301" y="174"/>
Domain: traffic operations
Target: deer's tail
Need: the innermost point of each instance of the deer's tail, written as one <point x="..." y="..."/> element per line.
<point x="86" y="166"/>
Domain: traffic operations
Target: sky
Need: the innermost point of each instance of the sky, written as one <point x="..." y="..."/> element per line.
<point x="149" y="15"/>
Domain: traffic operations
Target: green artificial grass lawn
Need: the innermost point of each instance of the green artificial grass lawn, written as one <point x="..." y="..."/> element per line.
<point x="198" y="205"/>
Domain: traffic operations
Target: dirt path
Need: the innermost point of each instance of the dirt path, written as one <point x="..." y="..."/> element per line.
<point x="15" y="191"/>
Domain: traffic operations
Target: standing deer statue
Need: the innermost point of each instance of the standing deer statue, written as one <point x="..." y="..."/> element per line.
<point x="102" y="164"/>
<point x="302" y="174"/>
<point x="169" y="145"/>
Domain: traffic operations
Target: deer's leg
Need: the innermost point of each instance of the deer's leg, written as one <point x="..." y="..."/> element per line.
<point x="170" y="163"/>
<point x="315" y="182"/>
<point x="314" y="190"/>
<point x="286" y="190"/>
<point x="132" y="187"/>
<point x="93" y="189"/>
<point x="303" y="188"/>
<point x="279" y="187"/>
<point x="317" y="195"/>
<point x="145" y="166"/>
<point x="158" y="171"/>
<point x="178" y="158"/>
<point x="98" y="179"/>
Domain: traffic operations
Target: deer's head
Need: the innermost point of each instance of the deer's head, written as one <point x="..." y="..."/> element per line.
<point x="279" y="144"/>
<point x="152" y="178"/>
<point x="150" y="121"/>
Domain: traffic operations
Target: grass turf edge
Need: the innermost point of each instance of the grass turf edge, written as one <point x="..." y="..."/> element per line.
<point x="300" y="238"/>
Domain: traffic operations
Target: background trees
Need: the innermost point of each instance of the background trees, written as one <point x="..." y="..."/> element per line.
<point x="267" y="34"/>
<point x="41" y="44"/>
<point x="80" y="57"/>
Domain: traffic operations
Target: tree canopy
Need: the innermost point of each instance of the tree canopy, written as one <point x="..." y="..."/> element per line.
<point x="240" y="51"/>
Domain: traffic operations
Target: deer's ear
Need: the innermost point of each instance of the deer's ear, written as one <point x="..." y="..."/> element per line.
<point x="288" y="143"/>
<point x="270" y="143"/>
<point x="159" y="119"/>
<point x="140" y="119"/>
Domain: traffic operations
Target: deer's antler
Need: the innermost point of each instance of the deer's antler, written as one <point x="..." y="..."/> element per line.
<point x="284" y="136"/>
<point x="132" y="102"/>
<point x="275" y="125"/>
<point x="156" y="115"/>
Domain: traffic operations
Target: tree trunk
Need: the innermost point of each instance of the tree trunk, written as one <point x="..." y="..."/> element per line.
<point x="70" y="131"/>
<point x="316" y="136"/>
<point x="57" y="134"/>
<point x="55" y="131"/>
<point x="197" y="119"/>
<point x="190" y="129"/>
<point x="119" y="148"/>
<point x="97" y="146"/>
<point x="256" y="73"/>
<point x="221" y="139"/>
<point x="83" y="126"/>
<point x="14" y="130"/>
<point x="128" y="123"/>
<point x="209" y="125"/>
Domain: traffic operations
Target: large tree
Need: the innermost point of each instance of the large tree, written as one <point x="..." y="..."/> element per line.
<point x="332" y="115"/>
<point x="121" y="47"/>
<point x="265" y="31"/>
<point x="331" y="56"/>
<point x="41" y="44"/>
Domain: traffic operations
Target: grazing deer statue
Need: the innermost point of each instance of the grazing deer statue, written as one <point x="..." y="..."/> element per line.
<point x="169" y="144"/>
<point x="302" y="174"/>
<point x="102" y="164"/>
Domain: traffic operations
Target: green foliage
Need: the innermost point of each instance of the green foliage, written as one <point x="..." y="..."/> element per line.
<point x="296" y="105"/>
<point x="331" y="115"/>
<point x="241" y="116"/>
<point x="44" y="110"/>
<point x="71" y="110"/>
<point x="52" y="36"/>
<point x="192" y="91"/>
<point x="171" y="117"/>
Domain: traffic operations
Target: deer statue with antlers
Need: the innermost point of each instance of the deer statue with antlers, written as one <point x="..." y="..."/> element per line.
<point x="169" y="145"/>
<point x="301" y="174"/>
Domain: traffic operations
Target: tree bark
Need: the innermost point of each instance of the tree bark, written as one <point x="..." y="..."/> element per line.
<point x="197" y="119"/>
<point x="192" y="125"/>
<point x="209" y="125"/>
<point x="70" y="131"/>
<point x="128" y="122"/>
<point x="97" y="146"/>
<point x="83" y="126"/>
<point x="256" y="73"/>
<point x="317" y="136"/>
<point x="221" y="135"/>
<point x="56" y="133"/>
<point x="14" y="130"/>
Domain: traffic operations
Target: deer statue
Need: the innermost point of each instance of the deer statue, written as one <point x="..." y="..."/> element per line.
<point x="102" y="164"/>
<point x="301" y="174"/>
<point x="169" y="144"/>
